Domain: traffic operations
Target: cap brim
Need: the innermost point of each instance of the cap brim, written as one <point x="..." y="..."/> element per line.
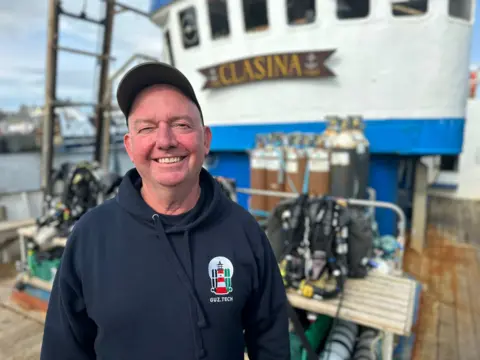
<point x="147" y="74"/>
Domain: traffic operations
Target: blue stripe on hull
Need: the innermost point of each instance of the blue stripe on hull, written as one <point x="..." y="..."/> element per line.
<point x="395" y="136"/>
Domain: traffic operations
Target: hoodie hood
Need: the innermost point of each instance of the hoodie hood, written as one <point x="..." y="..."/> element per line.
<point x="131" y="200"/>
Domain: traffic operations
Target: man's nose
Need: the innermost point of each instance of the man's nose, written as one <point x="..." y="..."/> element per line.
<point x="165" y="137"/>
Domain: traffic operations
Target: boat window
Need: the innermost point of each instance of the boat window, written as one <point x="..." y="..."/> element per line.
<point x="255" y="15"/>
<point x="188" y="23"/>
<point x="300" y="11"/>
<point x="449" y="163"/>
<point x="353" y="9"/>
<point x="461" y="9"/>
<point x="218" y="14"/>
<point x="409" y="7"/>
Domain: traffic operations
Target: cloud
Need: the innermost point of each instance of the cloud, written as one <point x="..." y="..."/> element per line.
<point x="23" y="35"/>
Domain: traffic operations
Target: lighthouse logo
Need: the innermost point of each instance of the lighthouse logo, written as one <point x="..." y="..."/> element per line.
<point x="220" y="270"/>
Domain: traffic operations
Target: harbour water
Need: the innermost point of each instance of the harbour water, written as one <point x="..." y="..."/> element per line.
<point x="21" y="171"/>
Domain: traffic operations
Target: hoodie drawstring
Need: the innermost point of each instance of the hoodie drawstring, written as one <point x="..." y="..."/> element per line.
<point x="200" y="321"/>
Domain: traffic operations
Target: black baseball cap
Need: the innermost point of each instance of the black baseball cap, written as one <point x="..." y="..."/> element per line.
<point x="147" y="74"/>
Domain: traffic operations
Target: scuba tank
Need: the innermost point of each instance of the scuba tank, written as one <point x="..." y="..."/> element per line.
<point x="362" y="154"/>
<point x="343" y="179"/>
<point x="258" y="174"/>
<point x="319" y="165"/>
<point x="342" y="341"/>
<point x="364" y="348"/>
<point x="331" y="132"/>
<point x="274" y="156"/>
<point x="296" y="163"/>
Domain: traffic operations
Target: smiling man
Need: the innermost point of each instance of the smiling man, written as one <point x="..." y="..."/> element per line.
<point x="171" y="268"/>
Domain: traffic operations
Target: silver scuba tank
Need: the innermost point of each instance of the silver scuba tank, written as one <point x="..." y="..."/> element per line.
<point x="342" y="341"/>
<point x="343" y="179"/>
<point x="364" y="348"/>
<point x="362" y="155"/>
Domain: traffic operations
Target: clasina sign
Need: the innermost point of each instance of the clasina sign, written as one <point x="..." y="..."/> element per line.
<point x="308" y="64"/>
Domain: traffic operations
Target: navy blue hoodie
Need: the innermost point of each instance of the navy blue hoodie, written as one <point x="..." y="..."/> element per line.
<point x="134" y="285"/>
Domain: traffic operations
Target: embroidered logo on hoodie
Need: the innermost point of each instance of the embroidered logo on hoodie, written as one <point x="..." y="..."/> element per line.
<point x="220" y="270"/>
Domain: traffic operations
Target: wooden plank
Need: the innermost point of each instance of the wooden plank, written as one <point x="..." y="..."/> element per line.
<point x="29" y="348"/>
<point x="410" y="309"/>
<point x="28" y="231"/>
<point x="474" y="291"/>
<point x="13" y="225"/>
<point x="450" y="309"/>
<point x="21" y="339"/>
<point x="37" y="282"/>
<point x="21" y="331"/>
<point x="447" y="329"/>
<point x="467" y="348"/>
<point x="426" y="331"/>
<point x="455" y="218"/>
<point x="369" y="302"/>
<point x="447" y="340"/>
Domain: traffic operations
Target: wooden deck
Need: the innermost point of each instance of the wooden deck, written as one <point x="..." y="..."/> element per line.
<point x="449" y="318"/>
<point x="20" y="333"/>
<point x="379" y="301"/>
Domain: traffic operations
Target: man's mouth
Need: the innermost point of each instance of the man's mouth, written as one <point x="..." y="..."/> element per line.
<point x="170" y="160"/>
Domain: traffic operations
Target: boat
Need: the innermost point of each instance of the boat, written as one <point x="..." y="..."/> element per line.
<point x="75" y="131"/>
<point x="265" y="68"/>
<point x="17" y="133"/>
<point x="267" y="63"/>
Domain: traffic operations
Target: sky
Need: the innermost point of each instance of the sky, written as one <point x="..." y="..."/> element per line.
<point x="475" y="49"/>
<point x="23" y="36"/>
<point x="23" y="33"/>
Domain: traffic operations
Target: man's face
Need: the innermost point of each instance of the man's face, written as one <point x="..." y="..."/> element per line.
<point x="166" y="139"/>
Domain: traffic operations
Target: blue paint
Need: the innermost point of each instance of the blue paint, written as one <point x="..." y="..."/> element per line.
<point x="37" y="293"/>
<point x="395" y="136"/>
<point x="157" y="4"/>
<point x="234" y="165"/>
<point x="444" y="186"/>
<point x="383" y="176"/>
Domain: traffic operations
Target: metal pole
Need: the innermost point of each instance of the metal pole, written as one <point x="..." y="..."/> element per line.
<point x="50" y="95"/>
<point x="105" y="140"/>
<point x="129" y="8"/>
<point x="84" y="52"/>
<point x="102" y="125"/>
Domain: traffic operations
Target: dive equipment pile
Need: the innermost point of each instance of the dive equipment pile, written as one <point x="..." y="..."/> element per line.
<point x="317" y="241"/>
<point x="83" y="186"/>
<point x="77" y="189"/>
<point x="320" y="237"/>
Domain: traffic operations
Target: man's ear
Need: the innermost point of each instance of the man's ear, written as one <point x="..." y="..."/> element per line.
<point x="127" y="142"/>
<point x="207" y="139"/>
